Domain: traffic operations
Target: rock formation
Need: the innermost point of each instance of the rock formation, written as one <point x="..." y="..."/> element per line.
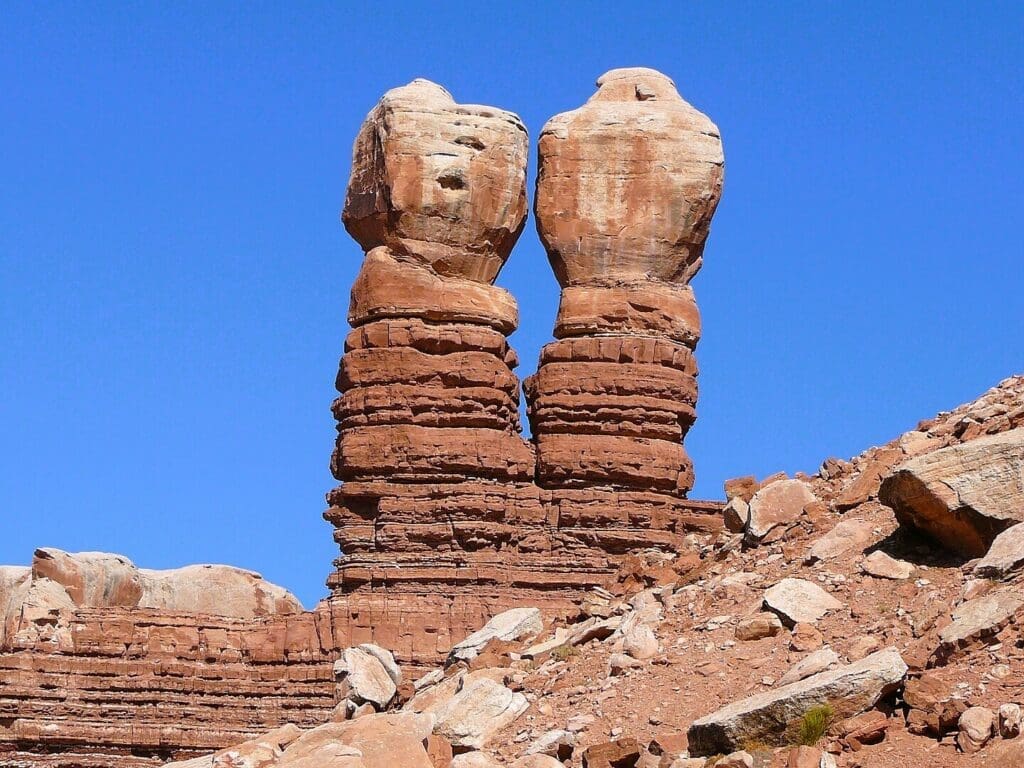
<point x="438" y="507"/>
<point x="626" y="188"/>
<point x="436" y="495"/>
<point x="103" y="663"/>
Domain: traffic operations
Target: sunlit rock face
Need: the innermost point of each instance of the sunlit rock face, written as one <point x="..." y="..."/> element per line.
<point x="441" y="183"/>
<point x="626" y="188"/>
<point x="445" y="514"/>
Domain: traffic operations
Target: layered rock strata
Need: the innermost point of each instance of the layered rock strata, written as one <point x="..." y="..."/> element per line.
<point x="437" y="508"/>
<point x="626" y="188"/>
<point x="444" y="515"/>
<point x="103" y="663"/>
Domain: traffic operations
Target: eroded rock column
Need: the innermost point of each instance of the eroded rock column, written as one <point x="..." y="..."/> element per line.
<point x="436" y="477"/>
<point x="626" y="188"/>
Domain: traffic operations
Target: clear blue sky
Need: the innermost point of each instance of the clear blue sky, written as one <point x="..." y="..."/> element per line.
<point x="174" y="278"/>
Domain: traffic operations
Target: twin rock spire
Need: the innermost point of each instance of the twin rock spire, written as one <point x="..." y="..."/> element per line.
<point x="446" y="514"/>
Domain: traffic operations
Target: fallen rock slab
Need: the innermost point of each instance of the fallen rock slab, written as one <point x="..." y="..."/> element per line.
<point x="385" y="740"/>
<point x="1004" y="556"/>
<point x="778" y="504"/>
<point x="513" y="624"/>
<point x="882" y="566"/>
<point x="977" y="619"/>
<point x="847" y="536"/>
<point x="364" y="679"/>
<point x="963" y="496"/>
<point x="773" y="716"/>
<point x="799" y="601"/>
<point x="477" y="712"/>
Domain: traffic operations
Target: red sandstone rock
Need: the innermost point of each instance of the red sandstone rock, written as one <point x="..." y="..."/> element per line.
<point x="438" y="517"/>
<point x="626" y="188"/>
<point x="442" y="182"/>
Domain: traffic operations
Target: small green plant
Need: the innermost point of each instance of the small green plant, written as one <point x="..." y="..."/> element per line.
<point x="565" y="652"/>
<point x="814" y="724"/>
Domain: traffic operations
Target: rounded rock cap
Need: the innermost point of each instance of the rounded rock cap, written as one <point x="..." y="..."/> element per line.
<point x="635" y="84"/>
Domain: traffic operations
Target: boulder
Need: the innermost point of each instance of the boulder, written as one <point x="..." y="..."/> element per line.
<point x="977" y="725"/>
<point x="778" y="504"/>
<point x="742" y="488"/>
<point x="363" y="679"/>
<point x="736" y="515"/>
<point x="758" y="626"/>
<point x="640" y="642"/>
<point x="474" y="760"/>
<point x="1004" y="556"/>
<point x="621" y="753"/>
<point x="866" y="728"/>
<point x="557" y="743"/>
<point x="963" y="496"/>
<point x="1010" y="721"/>
<point x="514" y="624"/>
<point x="376" y="741"/>
<point x="772" y="716"/>
<point x="477" y="712"/>
<point x="799" y="601"/>
<point x="536" y="761"/>
<point x="979" y="618"/>
<point x="848" y="536"/>
<point x="882" y="566"/>
<point x="739" y="759"/>
<point x="387" y="660"/>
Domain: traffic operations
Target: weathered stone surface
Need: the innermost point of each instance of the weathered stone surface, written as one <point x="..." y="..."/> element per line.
<point x="477" y="712"/>
<point x="758" y="626"/>
<point x="964" y="495"/>
<point x="640" y="642"/>
<point x="364" y="679"/>
<point x="1010" y="720"/>
<point x="882" y="566"/>
<point x="612" y="754"/>
<point x="1004" y="556"/>
<point x="736" y="515"/>
<point x="848" y="537"/>
<point x="614" y="172"/>
<point x="623" y="207"/>
<point x="812" y="664"/>
<point x="779" y="504"/>
<point x="513" y="624"/>
<point x="770" y="716"/>
<point x="738" y="759"/>
<point x="222" y="667"/>
<point x="979" y="618"/>
<point x="101" y="580"/>
<point x="799" y="601"/>
<point x="537" y="761"/>
<point x="474" y="760"/>
<point x="440" y="182"/>
<point x="977" y="726"/>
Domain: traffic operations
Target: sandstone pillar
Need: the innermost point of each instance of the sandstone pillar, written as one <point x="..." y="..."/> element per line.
<point x="626" y="188"/>
<point x="436" y="477"/>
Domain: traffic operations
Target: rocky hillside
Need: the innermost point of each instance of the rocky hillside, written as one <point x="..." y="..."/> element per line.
<point x="835" y="623"/>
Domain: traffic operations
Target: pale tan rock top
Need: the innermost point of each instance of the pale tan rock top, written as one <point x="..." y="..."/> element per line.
<point x="441" y="183"/>
<point x="102" y="580"/>
<point x="627" y="184"/>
